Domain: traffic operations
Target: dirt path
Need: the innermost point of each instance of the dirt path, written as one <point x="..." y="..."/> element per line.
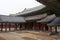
<point x="36" y="35"/>
<point x="10" y="36"/>
<point x="25" y="36"/>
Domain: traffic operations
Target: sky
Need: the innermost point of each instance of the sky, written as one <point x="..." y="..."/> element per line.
<point x="14" y="6"/>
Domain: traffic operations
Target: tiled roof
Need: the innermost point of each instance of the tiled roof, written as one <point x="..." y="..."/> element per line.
<point x="26" y="11"/>
<point x="11" y="19"/>
<point x="56" y="22"/>
<point x="49" y="18"/>
<point x="36" y="17"/>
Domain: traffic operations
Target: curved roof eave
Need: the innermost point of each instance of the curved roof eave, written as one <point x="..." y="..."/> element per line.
<point x="47" y="19"/>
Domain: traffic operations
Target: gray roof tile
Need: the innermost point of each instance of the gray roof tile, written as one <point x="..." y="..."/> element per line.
<point x="56" y="22"/>
<point x="49" y="18"/>
<point x="11" y="19"/>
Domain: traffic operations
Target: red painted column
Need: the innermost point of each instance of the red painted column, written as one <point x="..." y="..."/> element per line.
<point x="22" y="26"/>
<point x="5" y="27"/>
<point x="50" y="28"/>
<point x="42" y="27"/>
<point x="19" y="26"/>
<point x="33" y="26"/>
<point x="26" y="26"/>
<point x="1" y="27"/>
<point x="9" y="26"/>
<point x="15" y="26"/>
<point x="38" y="26"/>
<point x="56" y="29"/>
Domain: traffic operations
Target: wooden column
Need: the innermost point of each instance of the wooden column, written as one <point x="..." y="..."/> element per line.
<point x="50" y="28"/>
<point x="1" y="27"/>
<point x="5" y="27"/>
<point x="25" y="26"/>
<point x="20" y="26"/>
<point x="9" y="26"/>
<point x="56" y="29"/>
<point x="39" y="26"/>
<point x="46" y="27"/>
<point x="36" y="26"/>
<point x="33" y="26"/>
<point x="14" y="27"/>
<point x="42" y="27"/>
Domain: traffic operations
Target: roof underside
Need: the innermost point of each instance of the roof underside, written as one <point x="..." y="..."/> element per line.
<point x="52" y="5"/>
